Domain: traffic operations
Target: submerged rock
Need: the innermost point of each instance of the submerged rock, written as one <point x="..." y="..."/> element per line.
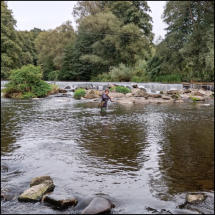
<point x="60" y="201"/>
<point x="98" y="205"/>
<point x="193" y="198"/>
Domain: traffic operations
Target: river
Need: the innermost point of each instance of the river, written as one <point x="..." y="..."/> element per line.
<point x="144" y="158"/>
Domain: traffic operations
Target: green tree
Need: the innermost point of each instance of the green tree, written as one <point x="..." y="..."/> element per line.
<point x="10" y="49"/>
<point x="188" y="49"/>
<point x="103" y="41"/>
<point x="50" y="47"/>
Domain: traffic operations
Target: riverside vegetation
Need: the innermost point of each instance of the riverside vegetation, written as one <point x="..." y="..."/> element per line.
<point x="114" y="42"/>
<point x="26" y="83"/>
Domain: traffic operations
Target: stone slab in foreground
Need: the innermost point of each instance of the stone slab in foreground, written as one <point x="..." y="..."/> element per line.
<point x="36" y="192"/>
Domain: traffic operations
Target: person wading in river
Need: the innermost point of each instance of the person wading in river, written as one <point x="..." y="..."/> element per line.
<point x="104" y="101"/>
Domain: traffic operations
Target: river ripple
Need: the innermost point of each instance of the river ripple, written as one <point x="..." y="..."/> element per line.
<point x="138" y="156"/>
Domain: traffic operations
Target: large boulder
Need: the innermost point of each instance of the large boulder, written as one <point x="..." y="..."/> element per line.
<point x="60" y="201"/>
<point x="139" y="92"/>
<point x="98" y="205"/>
<point x="92" y="94"/>
<point x="36" y="192"/>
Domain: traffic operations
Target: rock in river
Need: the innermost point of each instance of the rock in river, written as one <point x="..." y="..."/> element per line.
<point x="60" y="201"/>
<point x="98" y="205"/>
<point x="193" y="198"/>
<point x="38" y="187"/>
<point x="139" y="92"/>
<point x="40" y="180"/>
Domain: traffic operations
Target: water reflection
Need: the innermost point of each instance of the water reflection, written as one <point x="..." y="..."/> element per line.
<point x="115" y="142"/>
<point x="187" y="161"/>
<point x="134" y="154"/>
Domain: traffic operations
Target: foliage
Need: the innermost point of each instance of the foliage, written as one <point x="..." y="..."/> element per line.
<point x="136" y="73"/>
<point x="188" y="49"/>
<point x="122" y="89"/>
<point x="105" y="39"/>
<point x="10" y="50"/>
<point x="53" y="76"/>
<point x="79" y="93"/>
<point x="26" y="82"/>
<point x="50" y="46"/>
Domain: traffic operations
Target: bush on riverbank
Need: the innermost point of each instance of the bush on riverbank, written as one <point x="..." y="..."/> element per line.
<point x="26" y="83"/>
<point x="120" y="89"/>
<point x="79" y="93"/>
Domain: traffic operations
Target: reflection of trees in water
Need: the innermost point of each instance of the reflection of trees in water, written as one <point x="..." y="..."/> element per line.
<point x="116" y="143"/>
<point x="187" y="159"/>
<point x="12" y="113"/>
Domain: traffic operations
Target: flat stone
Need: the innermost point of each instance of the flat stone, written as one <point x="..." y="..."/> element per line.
<point x="40" y="180"/>
<point x="36" y="192"/>
<point x="60" y="201"/>
<point x="195" y="197"/>
<point x="155" y="95"/>
<point x="172" y="92"/>
<point x="166" y="97"/>
<point x="97" y="206"/>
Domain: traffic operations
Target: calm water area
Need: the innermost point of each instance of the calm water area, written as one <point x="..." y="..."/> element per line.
<point x="144" y="158"/>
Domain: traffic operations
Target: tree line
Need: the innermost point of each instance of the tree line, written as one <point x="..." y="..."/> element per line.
<point x="114" y="42"/>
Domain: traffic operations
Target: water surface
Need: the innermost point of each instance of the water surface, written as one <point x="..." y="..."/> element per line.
<point x="139" y="156"/>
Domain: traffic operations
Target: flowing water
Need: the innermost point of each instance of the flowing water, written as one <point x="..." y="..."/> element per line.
<point x="144" y="158"/>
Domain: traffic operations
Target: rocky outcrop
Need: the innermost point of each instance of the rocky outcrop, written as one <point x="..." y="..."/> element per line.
<point x="98" y="205"/>
<point x="92" y="94"/>
<point x="139" y="92"/>
<point x="38" y="187"/>
<point x="59" y="200"/>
